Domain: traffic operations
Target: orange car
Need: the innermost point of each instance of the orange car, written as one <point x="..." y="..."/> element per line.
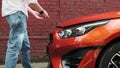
<point x="87" y="42"/>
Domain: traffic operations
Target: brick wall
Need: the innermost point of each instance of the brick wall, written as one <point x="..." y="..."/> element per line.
<point x="59" y="11"/>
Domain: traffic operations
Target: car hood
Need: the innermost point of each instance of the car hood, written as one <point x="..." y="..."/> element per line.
<point x="96" y="17"/>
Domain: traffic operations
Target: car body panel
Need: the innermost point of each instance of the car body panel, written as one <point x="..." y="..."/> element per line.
<point x="80" y="20"/>
<point x="89" y="59"/>
<point x="99" y="36"/>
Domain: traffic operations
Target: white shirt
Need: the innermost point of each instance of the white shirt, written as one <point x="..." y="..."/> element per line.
<point x="12" y="6"/>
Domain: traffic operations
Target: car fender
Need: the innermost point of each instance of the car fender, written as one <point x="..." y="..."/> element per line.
<point x="101" y="35"/>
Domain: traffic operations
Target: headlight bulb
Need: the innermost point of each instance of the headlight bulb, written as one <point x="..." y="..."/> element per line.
<point x="80" y="30"/>
<point x="61" y="33"/>
<point x="67" y="33"/>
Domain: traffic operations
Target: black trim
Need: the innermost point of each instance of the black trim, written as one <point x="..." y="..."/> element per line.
<point x="74" y="57"/>
<point x="50" y="38"/>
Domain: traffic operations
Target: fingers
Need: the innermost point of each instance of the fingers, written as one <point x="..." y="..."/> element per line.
<point x="45" y="14"/>
<point x="38" y="17"/>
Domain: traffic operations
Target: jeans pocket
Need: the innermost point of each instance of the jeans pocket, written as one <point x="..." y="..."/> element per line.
<point x="12" y="19"/>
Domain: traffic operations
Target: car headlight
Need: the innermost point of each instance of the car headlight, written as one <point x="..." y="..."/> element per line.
<point x="80" y="29"/>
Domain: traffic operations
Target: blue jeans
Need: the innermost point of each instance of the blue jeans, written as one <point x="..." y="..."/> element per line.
<point x="18" y="42"/>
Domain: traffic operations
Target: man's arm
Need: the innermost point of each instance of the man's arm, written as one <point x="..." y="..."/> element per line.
<point x="38" y="10"/>
<point x="36" y="6"/>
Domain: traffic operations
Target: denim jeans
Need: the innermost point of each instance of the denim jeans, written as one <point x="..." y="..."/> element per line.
<point x="18" y="42"/>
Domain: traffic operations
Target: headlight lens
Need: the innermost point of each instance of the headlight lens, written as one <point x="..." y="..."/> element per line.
<point x="80" y="29"/>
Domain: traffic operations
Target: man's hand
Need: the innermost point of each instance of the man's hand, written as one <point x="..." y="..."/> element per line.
<point x="37" y="7"/>
<point x="37" y="15"/>
<point x="45" y="14"/>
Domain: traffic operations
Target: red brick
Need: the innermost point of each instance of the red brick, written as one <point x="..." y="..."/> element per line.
<point x="59" y="11"/>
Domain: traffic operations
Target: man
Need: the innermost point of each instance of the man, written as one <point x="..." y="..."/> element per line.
<point x="16" y="13"/>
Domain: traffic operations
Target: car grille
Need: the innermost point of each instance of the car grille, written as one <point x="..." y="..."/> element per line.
<point x="73" y="58"/>
<point x="50" y="38"/>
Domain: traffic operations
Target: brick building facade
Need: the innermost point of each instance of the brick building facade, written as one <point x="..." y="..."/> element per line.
<point x="59" y="11"/>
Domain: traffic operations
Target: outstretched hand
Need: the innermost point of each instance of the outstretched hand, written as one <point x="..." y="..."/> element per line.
<point x="37" y="15"/>
<point x="45" y="14"/>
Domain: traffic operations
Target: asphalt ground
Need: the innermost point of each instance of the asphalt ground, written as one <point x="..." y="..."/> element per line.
<point x="34" y="65"/>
